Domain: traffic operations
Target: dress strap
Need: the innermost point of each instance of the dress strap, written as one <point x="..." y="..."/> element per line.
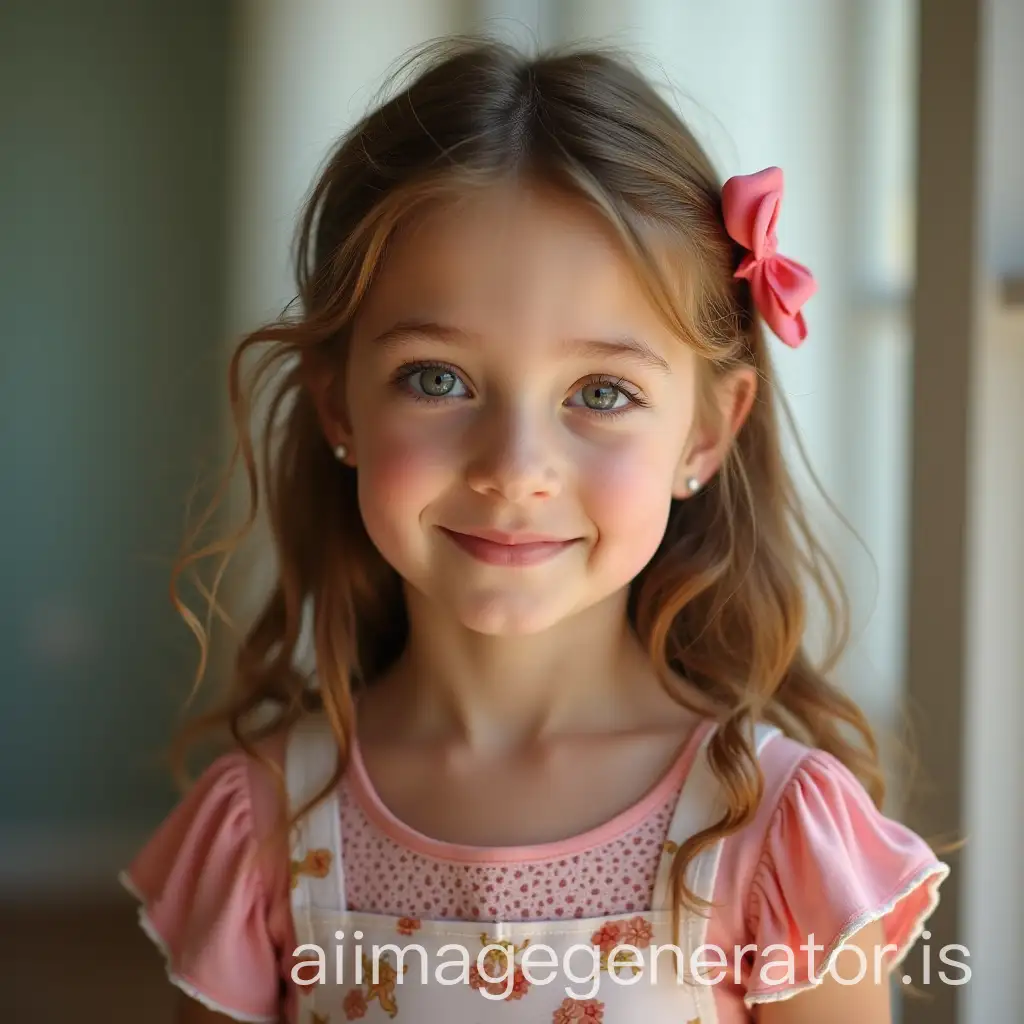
<point x="700" y="805"/>
<point x="317" y="874"/>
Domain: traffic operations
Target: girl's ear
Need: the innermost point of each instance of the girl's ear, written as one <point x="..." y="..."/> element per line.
<point x="732" y="399"/>
<point x="325" y="387"/>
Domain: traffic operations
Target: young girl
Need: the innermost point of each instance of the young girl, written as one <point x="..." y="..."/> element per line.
<point x="563" y="756"/>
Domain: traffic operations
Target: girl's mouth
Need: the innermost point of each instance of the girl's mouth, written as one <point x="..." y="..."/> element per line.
<point x="512" y="550"/>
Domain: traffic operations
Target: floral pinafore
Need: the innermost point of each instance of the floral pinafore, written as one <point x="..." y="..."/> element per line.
<point x="374" y="967"/>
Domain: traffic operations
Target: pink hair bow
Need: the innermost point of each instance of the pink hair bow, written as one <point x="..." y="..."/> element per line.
<point x="780" y="286"/>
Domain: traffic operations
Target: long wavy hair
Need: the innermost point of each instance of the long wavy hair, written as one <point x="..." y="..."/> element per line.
<point x="722" y="606"/>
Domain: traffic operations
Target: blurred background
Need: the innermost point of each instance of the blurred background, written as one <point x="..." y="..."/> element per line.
<point x="153" y="158"/>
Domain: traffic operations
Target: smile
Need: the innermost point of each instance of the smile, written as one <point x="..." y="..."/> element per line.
<point x="510" y="550"/>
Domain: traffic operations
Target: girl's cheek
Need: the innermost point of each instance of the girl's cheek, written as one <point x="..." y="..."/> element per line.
<point x="628" y="490"/>
<point x="403" y="465"/>
<point x="397" y="481"/>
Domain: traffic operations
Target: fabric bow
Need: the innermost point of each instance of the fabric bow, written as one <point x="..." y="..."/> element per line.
<point x="780" y="286"/>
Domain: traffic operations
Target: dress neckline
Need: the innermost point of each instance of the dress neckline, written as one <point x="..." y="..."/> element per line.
<point x="660" y="792"/>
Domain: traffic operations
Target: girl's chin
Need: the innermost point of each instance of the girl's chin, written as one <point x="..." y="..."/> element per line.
<point x="504" y="613"/>
<point x="510" y="622"/>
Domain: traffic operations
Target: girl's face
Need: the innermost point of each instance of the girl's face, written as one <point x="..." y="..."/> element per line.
<point x="516" y="412"/>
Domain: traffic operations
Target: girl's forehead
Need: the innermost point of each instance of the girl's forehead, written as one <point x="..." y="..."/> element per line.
<point x="527" y="260"/>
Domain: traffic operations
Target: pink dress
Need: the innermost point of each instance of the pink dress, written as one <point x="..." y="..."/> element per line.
<point x="816" y="864"/>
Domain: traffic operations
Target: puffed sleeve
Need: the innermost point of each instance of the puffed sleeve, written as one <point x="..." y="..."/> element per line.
<point x="203" y="900"/>
<point x="831" y="864"/>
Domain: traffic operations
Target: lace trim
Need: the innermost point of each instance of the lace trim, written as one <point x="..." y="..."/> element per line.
<point x="175" y="979"/>
<point x="934" y="875"/>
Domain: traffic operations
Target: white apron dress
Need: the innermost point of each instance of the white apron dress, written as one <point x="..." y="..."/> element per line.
<point x="434" y="971"/>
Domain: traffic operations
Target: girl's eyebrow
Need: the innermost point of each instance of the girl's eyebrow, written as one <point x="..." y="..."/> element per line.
<point x="624" y="346"/>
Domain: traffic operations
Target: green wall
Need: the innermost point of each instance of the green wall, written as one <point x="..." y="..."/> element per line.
<point x="112" y="192"/>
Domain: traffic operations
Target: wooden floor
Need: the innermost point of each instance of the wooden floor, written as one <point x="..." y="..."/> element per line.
<point x="88" y="963"/>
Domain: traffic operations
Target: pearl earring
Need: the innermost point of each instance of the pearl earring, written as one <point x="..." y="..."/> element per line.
<point x="340" y="452"/>
<point x="693" y="484"/>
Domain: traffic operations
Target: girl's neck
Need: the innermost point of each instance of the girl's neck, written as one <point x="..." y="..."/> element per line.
<point x="454" y="686"/>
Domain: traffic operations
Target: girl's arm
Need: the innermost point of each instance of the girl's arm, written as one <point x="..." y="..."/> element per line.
<point x="208" y="898"/>
<point x="866" y="1002"/>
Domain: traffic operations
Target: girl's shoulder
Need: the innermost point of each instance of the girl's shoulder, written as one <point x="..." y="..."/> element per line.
<point x="818" y="863"/>
<point x="811" y="799"/>
<point x="212" y="888"/>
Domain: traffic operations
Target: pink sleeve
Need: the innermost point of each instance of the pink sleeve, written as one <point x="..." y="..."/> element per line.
<point x="204" y="900"/>
<point x="831" y="864"/>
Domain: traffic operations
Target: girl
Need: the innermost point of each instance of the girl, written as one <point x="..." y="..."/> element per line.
<point x="563" y="756"/>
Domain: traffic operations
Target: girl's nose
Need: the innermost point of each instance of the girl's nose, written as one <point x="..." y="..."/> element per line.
<point x="515" y="459"/>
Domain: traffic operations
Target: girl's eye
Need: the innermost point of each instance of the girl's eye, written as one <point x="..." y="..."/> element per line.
<point x="432" y="382"/>
<point x="608" y="396"/>
<point x="602" y="397"/>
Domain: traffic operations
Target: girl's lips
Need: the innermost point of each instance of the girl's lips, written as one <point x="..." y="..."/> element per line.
<point x="525" y="550"/>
